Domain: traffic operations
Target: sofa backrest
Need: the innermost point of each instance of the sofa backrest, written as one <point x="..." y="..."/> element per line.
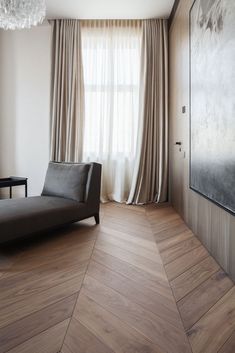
<point x="73" y="181"/>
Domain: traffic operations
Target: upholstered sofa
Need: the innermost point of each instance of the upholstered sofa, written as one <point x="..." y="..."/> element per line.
<point x="71" y="193"/>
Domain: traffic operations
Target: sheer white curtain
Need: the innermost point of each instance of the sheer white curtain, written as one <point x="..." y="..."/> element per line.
<point x="111" y="64"/>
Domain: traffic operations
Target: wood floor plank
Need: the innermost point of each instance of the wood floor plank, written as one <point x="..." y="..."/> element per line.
<point x="31" y="325"/>
<point x="156" y="221"/>
<point x="197" y="303"/>
<point x="165" y="224"/>
<point x="39" y="301"/>
<point x="229" y="346"/>
<point x="157" y="330"/>
<point x="140" y="226"/>
<point x="170" y="232"/>
<point x="7" y="260"/>
<point x="73" y="235"/>
<point x="65" y="349"/>
<point x="210" y="333"/>
<point x="193" y="277"/>
<point x="160" y="213"/>
<point x="113" y="332"/>
<point x="165" y="244"/>
<point x="47" y="256"/>
<point x="177" y="250"/>
<point x="49" y="341"/>
<point x="80" y="340"/>
<point x="44" y="250"/>
<point x="185" y="262"/>
<point x="22" y="286"/>
<point x="160" y="305"/>
<point x="132" y="247"/>
<point x="128" y="217"/>
<point x="123" y="301"/>
<point x="148" y="280"/>
<point x="123" y="206"/>
<point x="122" y="228"/>
<point x="148" y="244"/>
<point x="135" y="260"/>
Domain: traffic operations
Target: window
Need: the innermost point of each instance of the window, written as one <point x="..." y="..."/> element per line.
<point x="111" y="66"/>
<point x="111" y="63"/>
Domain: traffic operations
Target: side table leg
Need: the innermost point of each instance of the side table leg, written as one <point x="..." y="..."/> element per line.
<point x="10" y="192"/>
<point x="26" y="189"/>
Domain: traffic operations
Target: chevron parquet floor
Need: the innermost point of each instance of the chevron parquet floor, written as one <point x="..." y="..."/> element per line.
<point x="140" y="282"/>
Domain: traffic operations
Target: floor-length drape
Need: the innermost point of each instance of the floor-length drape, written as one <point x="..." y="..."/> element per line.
<point x="67" y="107"/>
<point x="111" y="61"/>
<point x="118" y="114"/>
<point x="150" y="177"/>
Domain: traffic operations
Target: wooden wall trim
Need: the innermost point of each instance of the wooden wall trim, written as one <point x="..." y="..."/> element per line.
<point x="214" y="226"/>
<point x="173" y="11"/>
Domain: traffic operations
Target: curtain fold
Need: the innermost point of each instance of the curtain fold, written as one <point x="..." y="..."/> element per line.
<point x="67" y="106"/>
<point x="111" y="58"/>
<point x="150" y="177"/>
<point x="118" y="113"/>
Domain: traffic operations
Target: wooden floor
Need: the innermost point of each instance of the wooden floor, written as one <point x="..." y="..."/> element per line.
<point x="140" y="282"/>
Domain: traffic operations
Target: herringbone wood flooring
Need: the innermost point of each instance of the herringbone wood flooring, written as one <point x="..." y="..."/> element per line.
<point x="140" y="282"/>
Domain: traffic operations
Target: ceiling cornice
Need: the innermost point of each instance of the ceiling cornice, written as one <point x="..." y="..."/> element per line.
<point x="173" y="11"/>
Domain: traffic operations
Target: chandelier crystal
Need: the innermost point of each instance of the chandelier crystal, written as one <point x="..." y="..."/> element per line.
<point x="19" y="14"/>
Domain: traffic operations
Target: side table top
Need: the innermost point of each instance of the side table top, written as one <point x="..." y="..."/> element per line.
<point x="12" y="180"/>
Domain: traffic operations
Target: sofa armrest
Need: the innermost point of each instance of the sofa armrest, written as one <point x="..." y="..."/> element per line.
<point x="93" y="188"/>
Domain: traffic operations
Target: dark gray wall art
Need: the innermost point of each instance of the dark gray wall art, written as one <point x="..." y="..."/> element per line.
<point x="212" y="55"/>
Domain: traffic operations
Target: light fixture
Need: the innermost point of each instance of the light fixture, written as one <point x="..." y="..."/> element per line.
<point x="18" y="14"/>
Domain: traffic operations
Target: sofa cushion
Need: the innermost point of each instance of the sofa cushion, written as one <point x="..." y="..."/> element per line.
<point x="67" y="180"/>
<point x="21" y="217"/>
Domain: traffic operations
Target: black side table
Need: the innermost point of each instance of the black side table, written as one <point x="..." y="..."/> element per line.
<point x="14" y="181"/>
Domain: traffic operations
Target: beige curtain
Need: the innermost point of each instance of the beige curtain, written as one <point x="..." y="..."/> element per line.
<point x="111" y="61"/>
<point x="67" y="107"/>
<point x="151" y="170"/>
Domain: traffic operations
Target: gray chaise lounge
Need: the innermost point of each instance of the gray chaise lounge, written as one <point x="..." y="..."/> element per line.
<point x="71" y="193"/>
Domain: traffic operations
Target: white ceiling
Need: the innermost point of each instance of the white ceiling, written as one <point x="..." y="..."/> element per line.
<point x="109" y="9"/>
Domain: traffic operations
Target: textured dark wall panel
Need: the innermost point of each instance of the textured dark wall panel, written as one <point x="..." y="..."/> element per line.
<point x="213" y="100"/>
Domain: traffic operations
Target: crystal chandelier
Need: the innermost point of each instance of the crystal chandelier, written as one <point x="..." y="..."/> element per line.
<point x="18" y="14"/>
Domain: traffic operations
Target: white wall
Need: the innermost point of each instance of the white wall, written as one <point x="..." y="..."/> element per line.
<point x="25" y="60"/>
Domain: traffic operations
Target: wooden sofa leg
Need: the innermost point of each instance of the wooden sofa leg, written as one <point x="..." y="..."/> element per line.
<point x="97" y="218"/>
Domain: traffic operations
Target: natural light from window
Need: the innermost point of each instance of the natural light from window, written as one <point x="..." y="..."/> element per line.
<point x="111" y="66"/>
<point x="111" y="62"/>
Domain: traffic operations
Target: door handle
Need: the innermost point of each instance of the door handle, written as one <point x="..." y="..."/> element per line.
<point x="178" y="143"/>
